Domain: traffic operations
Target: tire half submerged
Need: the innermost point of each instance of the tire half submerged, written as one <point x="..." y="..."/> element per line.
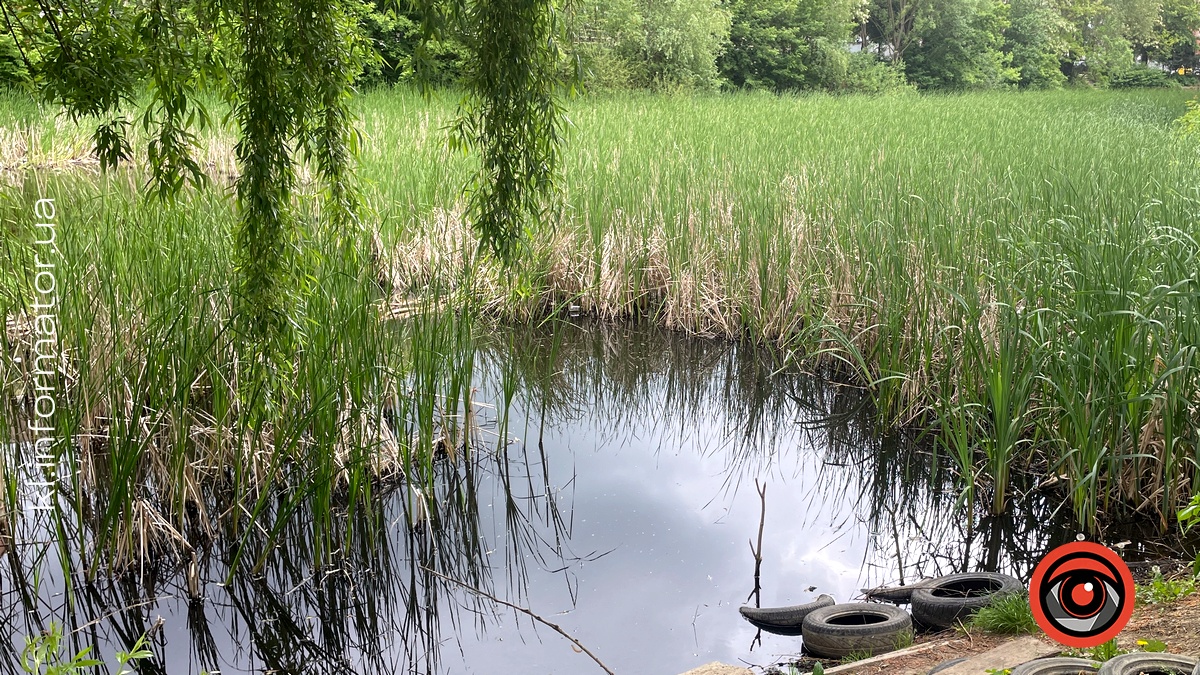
<point x="784" y="620"/>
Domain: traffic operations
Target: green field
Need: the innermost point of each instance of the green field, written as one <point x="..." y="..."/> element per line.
<point x="1015" y="271"/>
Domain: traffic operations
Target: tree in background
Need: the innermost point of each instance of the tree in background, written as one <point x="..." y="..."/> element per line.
<point x="287" y="68"/>
<point x="1095" y="44"/>
<point x="650" y="44"/>
<point x="777" y="45"/>
<point x="787" y="44"/>
<point x="1139" y="21"/>
<point x="1036" y="40"/>
<point x="396" y="34"/>
<point x="599" y="35"/>
<point x="959" y="45"/>
<point x="1174" y="43"/>
<point x="890" y="25"/>
<point x="12" y="67"/>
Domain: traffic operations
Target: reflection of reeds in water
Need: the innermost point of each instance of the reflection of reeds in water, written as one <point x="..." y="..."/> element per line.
<point x="614" y="371"/>
<point x="373" y="605"/>
<point x="644" y="379"/>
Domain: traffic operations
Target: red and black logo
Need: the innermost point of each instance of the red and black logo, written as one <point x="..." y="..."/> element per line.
<point x="1082" y="594"/>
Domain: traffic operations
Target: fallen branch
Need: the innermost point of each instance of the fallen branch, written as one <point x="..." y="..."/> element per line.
<point x="135" y="605"/>
<point x="521" y="609"/>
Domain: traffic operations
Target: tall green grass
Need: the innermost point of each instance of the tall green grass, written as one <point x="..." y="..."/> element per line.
<point x="149" y="406"/>
<point x="1017" y="271"/>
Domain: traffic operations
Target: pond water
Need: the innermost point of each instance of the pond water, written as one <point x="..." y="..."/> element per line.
<point x="615" y="493"/>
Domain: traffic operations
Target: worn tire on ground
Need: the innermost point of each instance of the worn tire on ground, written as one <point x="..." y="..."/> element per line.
<point x="946" y="664"/>
<point x="856" y="628"/>
<point x="957" y="596"/>
<point x="784" y="620"/>
<point x="1143" y="662"/>
<point x="1056" y="666"/>
<point x="895" y="594"/>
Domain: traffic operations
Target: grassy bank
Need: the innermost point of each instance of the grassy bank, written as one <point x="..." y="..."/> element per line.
<point x="1016" y="271"/>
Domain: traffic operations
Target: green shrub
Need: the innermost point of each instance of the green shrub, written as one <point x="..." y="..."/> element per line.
<point x="868" y="74"/>
<point x="1189" y="124"/>
<point x="782" y="45"/>
<point x="12" y="66"/>
<point x="1141" y="78"/>
<point x="648" y="45"/>
<point x="1106" y="652"/>
<point x="395" y="37"/>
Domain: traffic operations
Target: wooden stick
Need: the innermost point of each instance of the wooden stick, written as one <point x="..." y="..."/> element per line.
<point x="876" y="660"/>
<point x="519" y="608"/>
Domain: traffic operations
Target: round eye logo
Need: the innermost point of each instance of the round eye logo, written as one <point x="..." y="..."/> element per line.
<point x="1081" y="594"/>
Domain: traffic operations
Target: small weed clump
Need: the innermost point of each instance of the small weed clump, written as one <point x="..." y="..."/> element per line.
<point x="1157" y="646"/>
<point x="1109" y="650"/>
<point x="857" y="655"/>
<point x="1161" y="589"/>
<point x="1105" y="652"/>
<point x="1009" y="614"/>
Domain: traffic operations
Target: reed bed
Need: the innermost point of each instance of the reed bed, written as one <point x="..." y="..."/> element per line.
<point x="155" y="458"/>
<point x="1017" y="272"/>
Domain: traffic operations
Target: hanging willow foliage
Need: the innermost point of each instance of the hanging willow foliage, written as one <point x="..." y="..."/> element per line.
<point x="287" y="68"/>
<point x="510" y="114"/>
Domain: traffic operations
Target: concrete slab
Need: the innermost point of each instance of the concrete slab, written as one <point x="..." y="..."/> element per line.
<point x="1007" y="655"/>
<point x="716" y="668"/>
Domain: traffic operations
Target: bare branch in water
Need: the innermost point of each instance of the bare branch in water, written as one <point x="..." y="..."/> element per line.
<point x="537" y="618"/>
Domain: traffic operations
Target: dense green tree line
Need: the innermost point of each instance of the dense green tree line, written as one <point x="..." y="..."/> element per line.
<point x="785" y="45"/>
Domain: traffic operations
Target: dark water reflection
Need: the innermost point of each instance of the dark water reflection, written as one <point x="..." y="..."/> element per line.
<point x="613" y="493"/>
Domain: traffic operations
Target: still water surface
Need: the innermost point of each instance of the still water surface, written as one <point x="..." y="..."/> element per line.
<point x="614" y="492"/>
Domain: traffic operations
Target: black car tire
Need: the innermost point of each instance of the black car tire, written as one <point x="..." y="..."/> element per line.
<point x="1150" y="663"/>
<point x="1057" y="666"/>
<point x="958" y="596"/>
<point x="784" y="620"/>
<point x="856" y="628"/>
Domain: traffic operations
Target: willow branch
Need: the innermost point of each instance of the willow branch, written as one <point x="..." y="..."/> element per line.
<point x="521" y="609"/>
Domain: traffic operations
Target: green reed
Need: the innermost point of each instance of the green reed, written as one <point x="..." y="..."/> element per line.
<point x="149" y="411"/>
<point x="1016" y="266"/>
<point x="1017" y="270"/>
